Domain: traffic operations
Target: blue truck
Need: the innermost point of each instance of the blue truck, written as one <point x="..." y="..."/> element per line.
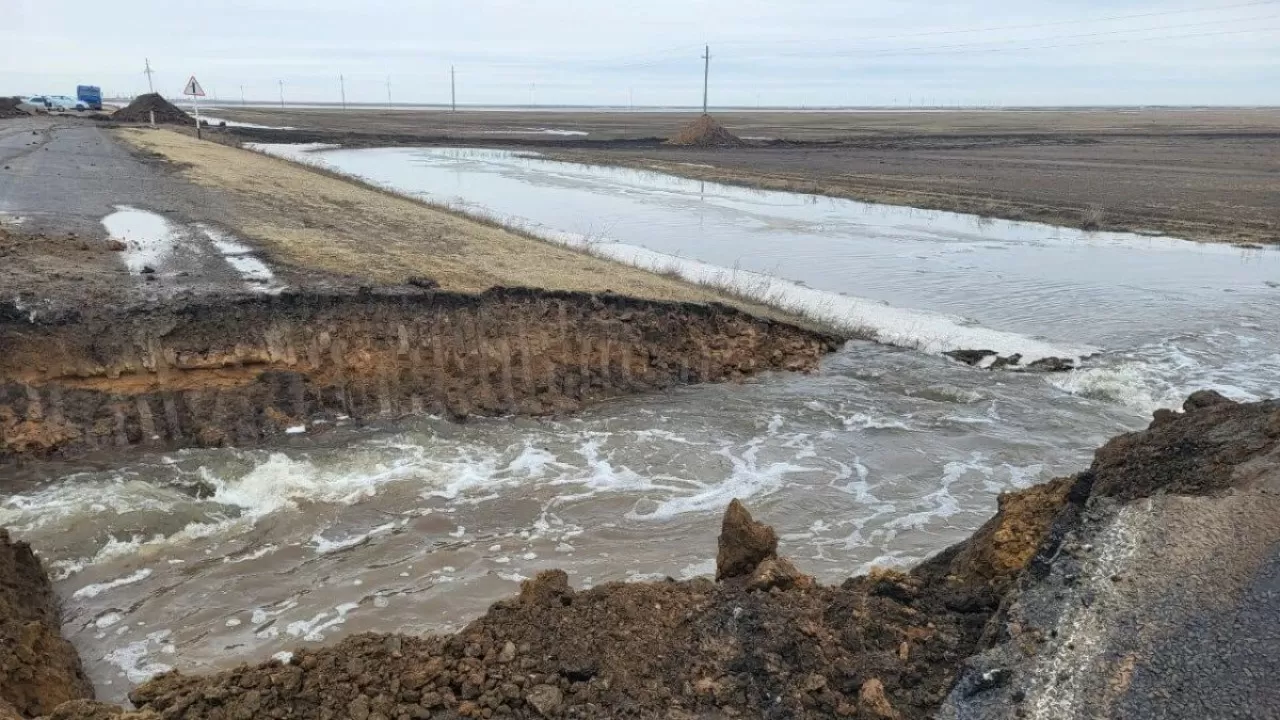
<point x="90" y="95"/>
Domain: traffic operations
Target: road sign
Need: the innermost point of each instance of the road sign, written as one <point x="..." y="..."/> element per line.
<point x="193" y="88"/>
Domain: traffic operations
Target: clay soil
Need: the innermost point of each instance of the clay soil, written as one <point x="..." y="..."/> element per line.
<point x="1204" y="174"/>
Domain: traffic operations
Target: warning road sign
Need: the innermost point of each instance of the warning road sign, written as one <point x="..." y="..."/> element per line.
<point x="193" y="88"/>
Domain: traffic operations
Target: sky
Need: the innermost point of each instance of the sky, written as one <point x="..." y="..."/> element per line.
<point x="587" y="52"/>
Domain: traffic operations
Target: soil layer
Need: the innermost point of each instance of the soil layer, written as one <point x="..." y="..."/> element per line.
<point x="236" y="370"/>
<point x="39" y="670"/>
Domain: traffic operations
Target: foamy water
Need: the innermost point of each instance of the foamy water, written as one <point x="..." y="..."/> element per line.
<point x="203" y="559"/>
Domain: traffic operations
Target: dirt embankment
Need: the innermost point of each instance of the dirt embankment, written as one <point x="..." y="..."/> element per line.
<point x="39" y="670"/>
<point x="218" y="372"/>
<point x="151" y="105"/>
<point x="766" y="641"/>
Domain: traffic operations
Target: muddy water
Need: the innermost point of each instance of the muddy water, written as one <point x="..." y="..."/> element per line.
<point x="202" y="559"/>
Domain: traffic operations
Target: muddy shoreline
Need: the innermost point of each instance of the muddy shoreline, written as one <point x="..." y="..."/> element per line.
<point x="974" y="632"/>
<point x="1204" y="176"/>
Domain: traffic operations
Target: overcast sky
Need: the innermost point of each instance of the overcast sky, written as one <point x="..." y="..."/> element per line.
<point x="775" y="52"/>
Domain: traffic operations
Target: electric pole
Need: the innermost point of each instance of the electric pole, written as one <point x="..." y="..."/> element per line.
<point x="281" y="94"/>
<point x="453" y="89"/>
<point x="342" y="83"/>
<point x="706" y="78"/>
<point x="149" y="72"/>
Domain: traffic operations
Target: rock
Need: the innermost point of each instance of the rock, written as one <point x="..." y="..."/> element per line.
<point x="970" y="357"/>
<point x="1163" y="416"/>
<point x="358" y="709"/>
<point x="419" y="281"/>
<point x="778" y="573"/>
<point x="1002" y="361"/>
<point x="1202" y="399"/>
<point x="148" y="270"/>
<point x="508" y="653"/>
<point x="548" y="587"/>
<point x="546" y="699"/>
<point x="744" y="543"/>
<point x="1052" y="364"/>
<point x="872" y="700"/>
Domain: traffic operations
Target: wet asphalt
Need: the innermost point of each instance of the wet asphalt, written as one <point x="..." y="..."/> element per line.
<point x="64" y="175"/>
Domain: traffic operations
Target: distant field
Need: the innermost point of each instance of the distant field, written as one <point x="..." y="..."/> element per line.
<point x="1205" y="174"/>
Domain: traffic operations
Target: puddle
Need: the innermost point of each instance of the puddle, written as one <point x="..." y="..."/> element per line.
<point x="235" y="123"/>
<point x="240" y="257"/>
<point x="149" y="238"/>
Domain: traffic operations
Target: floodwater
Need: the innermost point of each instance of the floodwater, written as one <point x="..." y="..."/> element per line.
<point x="201" y="559"/>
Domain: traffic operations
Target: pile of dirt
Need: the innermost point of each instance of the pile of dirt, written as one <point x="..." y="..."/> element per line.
<point x="39" y="669"/>
<point x="704" y="132"/>
<point x="142" y="106"/>
<point x="9" y="107"/>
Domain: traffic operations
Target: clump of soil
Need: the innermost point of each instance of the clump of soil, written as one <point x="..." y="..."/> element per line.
<point x="704" y="132"/>
<point x="9" y="107"/>
<point x="142" y="106"/>
<point x="39" y="669"/>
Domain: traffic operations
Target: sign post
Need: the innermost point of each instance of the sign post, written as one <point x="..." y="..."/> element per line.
<point x="196" y="92"/>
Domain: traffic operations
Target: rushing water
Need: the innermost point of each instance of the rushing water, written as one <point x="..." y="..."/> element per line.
<point x="201" y="559"/>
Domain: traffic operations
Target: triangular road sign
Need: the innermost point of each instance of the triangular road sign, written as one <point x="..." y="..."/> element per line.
<point x="193" y="88"/>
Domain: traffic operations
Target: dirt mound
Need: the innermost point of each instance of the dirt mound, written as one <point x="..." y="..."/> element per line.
<point x="142" y="106"/>
<point x="1203" y="451"/>
<point x="704" y="132"/>
<point x="9" y="107"/>
<point x="38" y="668"/>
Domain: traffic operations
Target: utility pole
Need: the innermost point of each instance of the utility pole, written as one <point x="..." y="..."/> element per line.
<point x="149" y="72"/>
<point x="388" y="92"/>
<point x="342" y="83"/>
<point x="281" y="94"/>
<point x="706" y="78"/>
<point x="453" y="89"/>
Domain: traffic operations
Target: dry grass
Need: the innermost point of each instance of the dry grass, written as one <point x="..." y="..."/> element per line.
<point x="318" y="221"/>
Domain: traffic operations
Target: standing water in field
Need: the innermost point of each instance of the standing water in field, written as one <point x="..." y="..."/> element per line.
<point x="205" y="558"/>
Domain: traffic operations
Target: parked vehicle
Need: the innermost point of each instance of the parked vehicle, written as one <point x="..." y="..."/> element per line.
<point x="39" y="103"/>
<point x="90" y="95"/>
<point x="64" y="103"/>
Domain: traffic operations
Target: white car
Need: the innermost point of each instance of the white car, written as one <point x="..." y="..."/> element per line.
<point x="64" y="103"/>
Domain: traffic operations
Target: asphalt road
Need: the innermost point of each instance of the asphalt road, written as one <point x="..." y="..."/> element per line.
<point x="59" y="178"/>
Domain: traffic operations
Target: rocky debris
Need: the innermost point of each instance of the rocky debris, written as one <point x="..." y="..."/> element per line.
<point x="39" y="670"/>
<point x="970" y="357"/>
<point x="1208" y="449"/>
<point x="704" y="132"/>
<point x="139" y="111"/>
<point x="9" y="107"/>
<point x="744" y="543"/>
<point x="992" y="360"/>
